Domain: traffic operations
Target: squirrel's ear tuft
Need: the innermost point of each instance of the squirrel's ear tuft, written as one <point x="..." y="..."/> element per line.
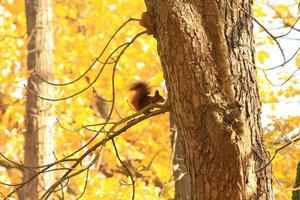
<point x="156" y="92"/>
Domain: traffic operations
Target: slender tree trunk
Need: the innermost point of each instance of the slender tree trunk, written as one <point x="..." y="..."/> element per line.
<point x="38" y="137"/>
<point x="206" y="51"/>
<point x="181" y="177"/>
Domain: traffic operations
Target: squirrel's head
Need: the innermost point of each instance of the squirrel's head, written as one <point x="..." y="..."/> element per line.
<point x="158" y="97"/>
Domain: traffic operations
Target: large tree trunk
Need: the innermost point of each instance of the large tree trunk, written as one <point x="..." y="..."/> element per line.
<point x="206" y="48"/>
<point x="38" y="138"/>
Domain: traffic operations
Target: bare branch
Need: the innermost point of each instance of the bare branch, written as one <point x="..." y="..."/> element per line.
<point x="96" y="60"/>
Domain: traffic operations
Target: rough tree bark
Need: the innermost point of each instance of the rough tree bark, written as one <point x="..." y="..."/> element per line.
<point x="38" y="138"/>
<point x="206" y="51"/>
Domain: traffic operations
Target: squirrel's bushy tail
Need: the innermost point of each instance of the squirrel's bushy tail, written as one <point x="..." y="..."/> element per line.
<point x="141" y="87"/>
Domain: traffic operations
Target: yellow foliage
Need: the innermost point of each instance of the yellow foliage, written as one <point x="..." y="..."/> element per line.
<point x="81" y="30"/>
<point x="258" y="11"/>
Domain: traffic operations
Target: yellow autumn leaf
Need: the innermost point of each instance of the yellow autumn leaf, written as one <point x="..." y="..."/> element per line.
<point x="262" y="55"/>
<point x="271" y="40"/>
<point x="297" y="60"/>
<point x="282" y="9"/>
<point x="258" y="11"/>
<point x="280" y="92"/>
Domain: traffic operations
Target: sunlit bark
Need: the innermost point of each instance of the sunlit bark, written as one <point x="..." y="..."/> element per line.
<point x="206" y="50"/>
<point x="38" y="137"/>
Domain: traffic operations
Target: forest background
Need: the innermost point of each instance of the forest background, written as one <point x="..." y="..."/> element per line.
<point x="81" y="30"/>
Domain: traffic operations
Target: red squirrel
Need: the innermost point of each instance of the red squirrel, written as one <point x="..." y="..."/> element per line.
<point x="141" y="97"/>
